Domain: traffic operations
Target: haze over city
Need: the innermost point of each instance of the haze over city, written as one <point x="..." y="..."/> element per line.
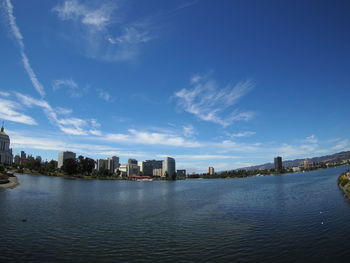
<point x="228" y="84"/>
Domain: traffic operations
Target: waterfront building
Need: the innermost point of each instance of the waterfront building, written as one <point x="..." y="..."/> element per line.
<point x="157" y="172"/>
<point x="308" y="164"/>
<point x="64" y="156"/>
<point x="132" y="161"/>
<point x="101" y="164"/>
<point x="278" y="164"/>
<point x="113" y="164"/>
<point x="211" y="170"/>
<point x="147" y="166"/>
<point x="296" y="169"/>
<point x="181" y="173"/>
<point x="169" y="166"/>
<point x="5" y="150"/>
<point x="130" y="168"/>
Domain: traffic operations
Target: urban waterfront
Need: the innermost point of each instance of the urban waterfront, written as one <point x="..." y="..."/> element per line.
<point x="289" y="218"/>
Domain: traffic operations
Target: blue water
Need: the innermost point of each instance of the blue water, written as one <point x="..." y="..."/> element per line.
<point x="290" y="218"/>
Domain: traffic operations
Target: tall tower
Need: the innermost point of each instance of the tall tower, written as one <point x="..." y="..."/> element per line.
<point x="278" y="164"/>
<point x="169" y="166"/>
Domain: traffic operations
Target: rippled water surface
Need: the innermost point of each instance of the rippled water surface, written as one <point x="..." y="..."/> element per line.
<point x="290" y="218"/>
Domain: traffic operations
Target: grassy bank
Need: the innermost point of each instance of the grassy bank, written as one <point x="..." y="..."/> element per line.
<point x="344" y="183"/>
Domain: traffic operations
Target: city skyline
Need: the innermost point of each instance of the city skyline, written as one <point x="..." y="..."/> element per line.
<point x="184" y="79"/>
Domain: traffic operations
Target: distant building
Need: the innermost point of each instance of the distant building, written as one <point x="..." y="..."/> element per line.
<point x="211" y="170"/>
<point x="181" y="173"/>
<point x="158" y="172"/>
<point x="296" y="169"/>
<point x="148" y="166"/>
<point x="278" y="164"/>
<point x="132" y="161"/>
<point x="169" y="166"/>
<point x="101" y="164"/>
<point x="64" y="156"/>
<point x="113" y="164"/>
<point x="308" y="164"/>
<point x="5" y="150"/>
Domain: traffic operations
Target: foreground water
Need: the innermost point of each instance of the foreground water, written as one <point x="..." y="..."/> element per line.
<point x="290" y="218"/>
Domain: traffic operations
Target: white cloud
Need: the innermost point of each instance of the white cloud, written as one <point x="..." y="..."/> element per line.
<point x="341" y="145"/>
<point x="98" y="18"/>
<point x="152" y="138"/>
<point x="242" y="134"/>
<point x="63" y="111"/>
<point x="69" y="125"/>
<point x="199" y="156"/>
<point x="9" y="111"/>
<point x="311" y="139"/>
<point x="188" y="131"/>
<point x="4" y="94"/>
<point x="19" y="38"/>
<point x="72" y="87"/>
<point x="207" y="101"/>
<point x="104" y="95"/>
<point x="93" y="28"/>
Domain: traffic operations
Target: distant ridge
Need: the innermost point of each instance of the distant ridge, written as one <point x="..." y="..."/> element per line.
<point x="336" y="157"/>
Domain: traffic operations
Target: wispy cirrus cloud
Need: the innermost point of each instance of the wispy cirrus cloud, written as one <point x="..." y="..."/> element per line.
<point x="241" y="134"/>
<point x="104" y="95"/>
<point x="105" y="35"/>
<point x="19" y="38"/>
<point x="68" y="125"/>
<point x="210" y="102"/>
<point x="70" y="85"/>
<point x="9" y="111"/>
<point x="151" y="138"/>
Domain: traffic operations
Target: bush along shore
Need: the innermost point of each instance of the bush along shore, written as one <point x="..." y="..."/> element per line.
<point x="344" y="183"/>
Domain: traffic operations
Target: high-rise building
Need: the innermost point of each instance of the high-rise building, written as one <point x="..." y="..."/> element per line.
<point x="211" y="170"/>
<point x="169" y="167"/>
<point x="113" y="163"/>
<point x="101" y="164"/>
<point x="278" y="164"/>
<point x="148" y="166"/>
<point x="64" y="156"/>
<point x="5" y="150"/>
<point x="132" y="161"/>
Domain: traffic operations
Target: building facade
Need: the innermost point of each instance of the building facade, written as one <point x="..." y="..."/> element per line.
<point x="278" y="164"/>
<point x="211" y="170"/>
<point x="64" y="156"/>
<point x="169" y="167"/>
<point x="148" y="166"/>
<point x="6" y="156"/>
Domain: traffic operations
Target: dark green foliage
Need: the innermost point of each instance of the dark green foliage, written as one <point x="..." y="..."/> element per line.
<point x="70" y="166"/>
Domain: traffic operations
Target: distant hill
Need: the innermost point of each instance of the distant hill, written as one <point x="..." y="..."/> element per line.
<point x="290" y="163"/>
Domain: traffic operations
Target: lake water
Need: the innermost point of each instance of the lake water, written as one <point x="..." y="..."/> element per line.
<point x="290" y="218"/>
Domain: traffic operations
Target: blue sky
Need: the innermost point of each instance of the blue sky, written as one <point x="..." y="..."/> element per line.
<point x="225" y="84"/>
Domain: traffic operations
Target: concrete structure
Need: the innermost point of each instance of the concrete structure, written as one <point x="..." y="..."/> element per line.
<point x="158" y="172"/>
<point x="64" y="156"/>
<point x="308" y="164"/>
<point x="130" y="168"/>
<point x="5" y="150"/>
<point x="132" y="161"/>
<point x="296" y="169"/>
<point x="169" y="167"/>
<point x="147" y="166"/>
<point x="17" y="159"/>
<point x="278" y="164"/>
<point x="211" y="170"/>
<point x="181" y="173"/>
<point x="101" y="164"/>
<point x="113" y="164"/>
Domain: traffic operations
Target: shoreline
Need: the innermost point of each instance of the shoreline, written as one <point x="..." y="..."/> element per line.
<point x="344" y="183"/>
<point x="12" y="184"/>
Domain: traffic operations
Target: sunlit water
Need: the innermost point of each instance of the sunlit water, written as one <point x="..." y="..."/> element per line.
<point x="291" y="218"/>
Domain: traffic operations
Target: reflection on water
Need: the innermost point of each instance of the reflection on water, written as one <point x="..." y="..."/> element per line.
<point x="289" y="218"/>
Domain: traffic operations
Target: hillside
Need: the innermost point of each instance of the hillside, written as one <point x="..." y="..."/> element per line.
<point x="290" y="163"/>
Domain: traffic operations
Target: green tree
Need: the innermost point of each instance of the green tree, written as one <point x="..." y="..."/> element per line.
<point x="70" y="166"/>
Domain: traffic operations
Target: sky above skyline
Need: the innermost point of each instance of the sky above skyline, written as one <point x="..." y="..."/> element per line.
<point x="228" y="84"/>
